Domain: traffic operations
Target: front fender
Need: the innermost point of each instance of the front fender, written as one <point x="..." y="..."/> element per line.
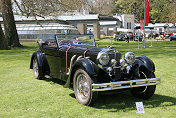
<point x="90" y="67"/>
<point x="143" y="61"/>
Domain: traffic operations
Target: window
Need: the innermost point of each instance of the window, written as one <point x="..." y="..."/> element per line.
<point x="48" y="43"/>
<point x="52" y="44"/>
<point x="128" y="25"/>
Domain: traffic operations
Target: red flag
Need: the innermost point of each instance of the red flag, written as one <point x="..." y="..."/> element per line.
<point x="142" y="24"/>
<point x="147" y="10"/>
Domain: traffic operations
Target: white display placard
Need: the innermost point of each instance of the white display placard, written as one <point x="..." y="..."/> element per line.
<point x="140" y="107"/>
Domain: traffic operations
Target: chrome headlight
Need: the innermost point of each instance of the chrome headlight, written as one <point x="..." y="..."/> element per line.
<point x="129" y="57"/>
<point x="113" y="62"/>
<point x="122" y="62"/>
<point x="103" y="58"/>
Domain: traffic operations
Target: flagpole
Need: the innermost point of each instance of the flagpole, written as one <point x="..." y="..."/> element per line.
<point x="144" y="26"/>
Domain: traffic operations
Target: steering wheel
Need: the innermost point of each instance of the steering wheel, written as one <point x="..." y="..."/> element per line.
<point x="62" y="41"/>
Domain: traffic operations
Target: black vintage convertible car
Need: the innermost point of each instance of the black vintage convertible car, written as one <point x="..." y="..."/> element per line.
<point x="89" y="69"/>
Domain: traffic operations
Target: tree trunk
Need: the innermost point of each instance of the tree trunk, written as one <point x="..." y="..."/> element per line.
<point x="3" y="43"/>
<point x="9" y="24"/>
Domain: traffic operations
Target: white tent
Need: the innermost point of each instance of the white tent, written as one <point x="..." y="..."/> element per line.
<point x="124" y="30"/>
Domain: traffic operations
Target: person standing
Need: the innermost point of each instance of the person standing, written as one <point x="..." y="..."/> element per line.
<point x="114" y="35"/>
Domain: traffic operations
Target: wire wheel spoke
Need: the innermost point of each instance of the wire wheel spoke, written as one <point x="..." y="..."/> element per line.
<point x="82" y="86"/>
<point x="143" y="76"/>
<point x="35" y="68"/>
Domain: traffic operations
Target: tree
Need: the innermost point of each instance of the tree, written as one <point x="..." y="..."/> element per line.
<point x="105" y="7"/>
<point x="3" y="43"/>
<point x="160" y="10"/>
<point x="135" y="7"/>
<point x="173" y="13"/>
<point x="9" y="24"/>
<point x="48" y="7"/>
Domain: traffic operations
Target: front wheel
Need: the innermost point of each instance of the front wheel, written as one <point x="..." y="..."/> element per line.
<point x="82" y="84"/>
<point x="36" y="70"/>
<point x="145" y="92"/>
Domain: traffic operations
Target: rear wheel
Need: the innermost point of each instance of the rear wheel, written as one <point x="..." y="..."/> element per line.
<point x="145" y="92"/>
<point x="82" y="84"/>
<point x="36" y="70"/>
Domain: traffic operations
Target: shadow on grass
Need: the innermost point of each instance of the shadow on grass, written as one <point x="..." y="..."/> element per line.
<point x="20" y="50"/>
<point x="125" y="101"/>
<point x="122" y="100"/>
<point x="54" y="81"/>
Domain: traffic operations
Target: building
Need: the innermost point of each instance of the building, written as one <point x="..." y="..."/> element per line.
<point x="95" y="23"/>
<point x="127" y="21"/>
<point x="158" y="27"/>
<point x="29" y="28"/>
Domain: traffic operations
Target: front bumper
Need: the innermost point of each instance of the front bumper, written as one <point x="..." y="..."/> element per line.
<point x="125" y="84"/>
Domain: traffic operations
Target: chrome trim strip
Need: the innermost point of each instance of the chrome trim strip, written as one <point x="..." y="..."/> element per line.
<point x="71" y="63"/>
<point x="117" y="67"/>
<point x="125" y="84"/>
<point x="78" y="58"/>
<point x="66" y="57"/>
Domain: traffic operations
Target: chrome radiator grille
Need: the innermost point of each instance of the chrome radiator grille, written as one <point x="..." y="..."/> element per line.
<point x="116" y="72"/>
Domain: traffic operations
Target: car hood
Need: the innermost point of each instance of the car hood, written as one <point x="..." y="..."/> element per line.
<point x="88" y="51"/>
<point x="85" y="51"/>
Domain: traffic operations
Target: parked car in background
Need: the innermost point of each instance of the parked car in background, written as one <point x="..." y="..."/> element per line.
<point x="121" y="37"/>
<point x="172" y="37"/>
<point x="76" y="60"/>
<point x="170" y="34"/>
<point x="124" y="37"/>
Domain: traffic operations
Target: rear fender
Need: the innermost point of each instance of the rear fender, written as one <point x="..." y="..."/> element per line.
<point x="42" y="62"/>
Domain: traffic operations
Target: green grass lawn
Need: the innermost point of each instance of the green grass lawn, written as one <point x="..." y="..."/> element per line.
<point x="23" y="96"/>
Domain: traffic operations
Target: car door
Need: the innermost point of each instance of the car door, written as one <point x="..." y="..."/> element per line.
<point x="54" y="59"/>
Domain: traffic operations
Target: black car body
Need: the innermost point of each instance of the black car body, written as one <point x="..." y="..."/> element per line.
<point x="76" y="60"/>
<point x="172" y="37"/>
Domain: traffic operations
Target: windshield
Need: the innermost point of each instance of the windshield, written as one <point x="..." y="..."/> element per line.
<point x="75" y="40"/>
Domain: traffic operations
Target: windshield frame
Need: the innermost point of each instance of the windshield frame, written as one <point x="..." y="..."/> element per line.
<point x="57" y="37"/>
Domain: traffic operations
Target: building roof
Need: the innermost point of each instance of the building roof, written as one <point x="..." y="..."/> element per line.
<point x="30" y="23"/>
<point x="157" y="25"/>
<point x="78" y="17"/>
<point x="24" y="20"/>
<point x="124" y="30"/>
<point x="89" y="17"/>
<point x="108" y="22"/>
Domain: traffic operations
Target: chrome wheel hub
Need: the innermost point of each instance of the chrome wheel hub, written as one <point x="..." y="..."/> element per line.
<point x="83" y="88"/>
<point x="35" y="69"/>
